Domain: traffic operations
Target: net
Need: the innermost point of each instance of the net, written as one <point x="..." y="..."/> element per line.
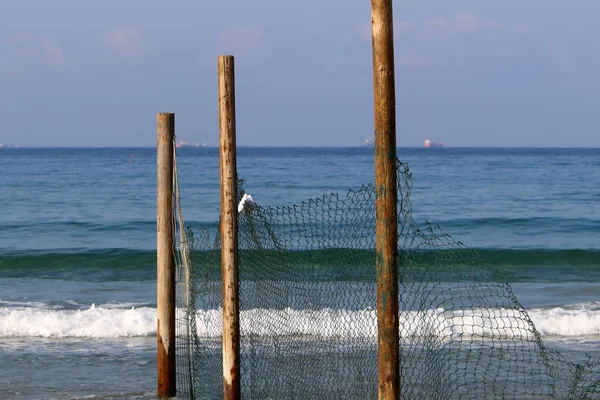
<point x="183" y="296"/>
<point x="308" y="311"/>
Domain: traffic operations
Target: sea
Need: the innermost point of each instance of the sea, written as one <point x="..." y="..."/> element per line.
<point x="78" y="244"/>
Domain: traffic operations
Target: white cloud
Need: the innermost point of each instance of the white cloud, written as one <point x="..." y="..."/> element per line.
<point x="462" y="22"/>
<point x="125" y="41"/>
<point x="53" y="53"/>
<point x="19" y="52"/>
<point x="521" y="30"/>
<point x="244" y="40"/>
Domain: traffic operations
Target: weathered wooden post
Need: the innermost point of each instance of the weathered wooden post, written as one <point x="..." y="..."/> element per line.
<point x="386" y="200"/>
<point x="165" y="256"/>
<point x="229" y="230"/>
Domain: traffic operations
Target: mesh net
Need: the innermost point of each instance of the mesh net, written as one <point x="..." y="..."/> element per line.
<point x="308" y="312"/>
<point x="183" y="298"/>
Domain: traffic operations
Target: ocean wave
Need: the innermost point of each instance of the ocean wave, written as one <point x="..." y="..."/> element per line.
<point x="541" y="257"/>
<point x="94" y="322"/>
<point x="496" y="323"/>
<point x="91" y="226"/>
<point x="571" y="321"/>
<point x="139" y="265"/>
<point x="80" y="264"/>
<point x="537" y="223"/>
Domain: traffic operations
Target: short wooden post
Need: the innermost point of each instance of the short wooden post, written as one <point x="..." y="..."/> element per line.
<point x="386" y="200"/>
<point x="229" y="230"/>
<point x="165" y="257"/>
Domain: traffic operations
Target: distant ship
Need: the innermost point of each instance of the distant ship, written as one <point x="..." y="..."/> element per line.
<point x="367" y="143"/>
<point x="183" y="143"/>
<point x="430" y="143"/>
<point x="1" y="145"/>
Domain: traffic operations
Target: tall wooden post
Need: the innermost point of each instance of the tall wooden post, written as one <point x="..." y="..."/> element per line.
<point x="229" y="230"/>
<point x="386" y="200"/>
<point x="165" y="257"/>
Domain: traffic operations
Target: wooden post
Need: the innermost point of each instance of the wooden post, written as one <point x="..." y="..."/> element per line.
<point x="386" y="200"/>
<point x="165" y="257"/>
<point x="229" y="230"/>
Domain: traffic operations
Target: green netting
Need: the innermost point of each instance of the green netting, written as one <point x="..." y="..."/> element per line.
<point x="308" y="312"/>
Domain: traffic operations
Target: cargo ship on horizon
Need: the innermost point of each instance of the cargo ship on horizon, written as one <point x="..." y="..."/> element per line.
<point x="430" y="143"/>
<point x="368" y="143"/>
<point x="182" y="143"/>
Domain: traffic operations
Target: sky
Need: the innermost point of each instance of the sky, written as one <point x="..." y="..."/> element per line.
<point x="468" y="72"/>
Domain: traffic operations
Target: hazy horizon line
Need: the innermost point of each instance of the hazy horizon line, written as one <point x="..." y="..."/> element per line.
<point x="14" y="147"/>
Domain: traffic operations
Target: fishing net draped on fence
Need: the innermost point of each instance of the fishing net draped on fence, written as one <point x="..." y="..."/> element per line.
<point x="308" y="311"/>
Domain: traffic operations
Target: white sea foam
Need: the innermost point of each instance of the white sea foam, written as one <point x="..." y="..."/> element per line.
<point x="352" y="324"/>
<point x="583" y="320"/>
<point x="95" y="322"/>
<point x="110" y="322"/>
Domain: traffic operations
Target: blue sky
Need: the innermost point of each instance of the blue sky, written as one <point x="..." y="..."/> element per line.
<point x="468" y="73"/>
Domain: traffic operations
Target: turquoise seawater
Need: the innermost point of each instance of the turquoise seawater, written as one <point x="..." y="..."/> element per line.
<point x="78" y="239"/>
